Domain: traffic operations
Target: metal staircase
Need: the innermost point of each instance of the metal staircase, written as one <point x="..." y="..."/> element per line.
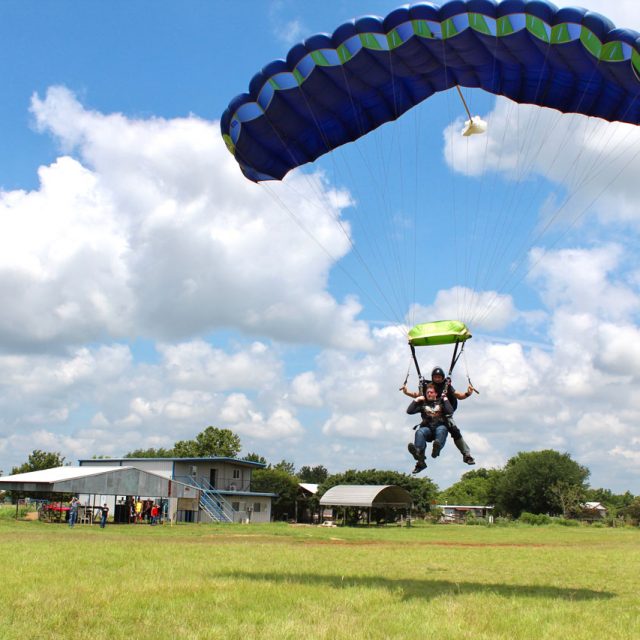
<point x="212" y="502"/>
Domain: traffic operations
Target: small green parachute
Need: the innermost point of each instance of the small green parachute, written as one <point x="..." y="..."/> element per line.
<point x="440" y="332"/>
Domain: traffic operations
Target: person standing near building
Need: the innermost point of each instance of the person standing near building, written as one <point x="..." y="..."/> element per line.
<point x="154" y="514"/>
<point x="104" y="513"/>
<point x="73" y="511"/>
<point x="138" y="510"/>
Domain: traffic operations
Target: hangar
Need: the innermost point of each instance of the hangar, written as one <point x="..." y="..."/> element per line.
<point x="104" y="483"/>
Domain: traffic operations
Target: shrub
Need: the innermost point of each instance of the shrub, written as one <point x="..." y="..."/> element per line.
<point x="566" y="522"/>
<point x="474" y="520"/>
<point x="535" y="518"/>
<point x="8" y="512"/>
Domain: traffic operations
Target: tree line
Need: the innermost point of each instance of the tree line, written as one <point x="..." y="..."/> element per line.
<point x="536" y="482"/>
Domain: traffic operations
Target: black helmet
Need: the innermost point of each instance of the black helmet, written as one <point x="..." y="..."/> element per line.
<point x="437" y="372"/>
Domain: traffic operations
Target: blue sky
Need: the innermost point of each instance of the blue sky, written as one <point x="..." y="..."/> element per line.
<point x="150" y="290"/>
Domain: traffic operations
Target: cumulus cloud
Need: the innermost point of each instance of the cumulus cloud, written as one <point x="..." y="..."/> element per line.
<point x="487" y="310"/>
<point x="150" y="229"/>
<point x="581" y="280"/>
<point x="46" y="400"/>
<point x="591" y="161"/>
<point x="571" y="393"/>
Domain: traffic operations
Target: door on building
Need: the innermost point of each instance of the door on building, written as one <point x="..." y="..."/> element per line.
<point x="213" y="473"/>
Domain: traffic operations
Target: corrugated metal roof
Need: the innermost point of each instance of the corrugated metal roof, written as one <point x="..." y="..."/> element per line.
<point x="463" y="506"/>
<point x="366" y="495"/>
<point x="121" y="481"/>
<point x="57" y="473"/>
<point x="129" y="461"/>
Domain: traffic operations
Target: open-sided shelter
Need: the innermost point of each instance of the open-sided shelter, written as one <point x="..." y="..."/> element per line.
<point x="104" y="483"/>
<point x="367" y="496"/>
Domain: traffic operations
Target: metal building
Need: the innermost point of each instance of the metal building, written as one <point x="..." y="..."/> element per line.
<point x="367" y="496"/>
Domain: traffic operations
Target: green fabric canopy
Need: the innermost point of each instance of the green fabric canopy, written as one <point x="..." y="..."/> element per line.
<point x="440" y="332"/>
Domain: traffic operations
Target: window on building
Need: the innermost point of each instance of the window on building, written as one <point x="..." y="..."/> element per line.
<point x="235" y="506"/>
<point x="236" y="474"/>
<point x="256" y="507"/>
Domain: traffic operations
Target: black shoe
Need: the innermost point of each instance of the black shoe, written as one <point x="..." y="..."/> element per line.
<point x="435" y="451"/>
<point x="420" y="465"/>
<point x="413" y="451"/>
<point x="468" y="458"/>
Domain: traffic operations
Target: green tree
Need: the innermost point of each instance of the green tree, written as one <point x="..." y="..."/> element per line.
<point x="314" y="475"/>
<point x="526" y="481"/>
<point x="39" y="460"/>
<point x="280" y="482"/>
<point x="185" y="449"/>
<point x="613" y="502"/>
<point x="150" y="453"/>
<point x="632" y="511"/>
<point x="255" y="457"/>
<point x="474" y="487"/>
<point x="286" y="466"/>
<point x="210" y="442"/>
<point x="213" y="441"/>
<point x="423" y="491"/>
<point x="568" y="496"/>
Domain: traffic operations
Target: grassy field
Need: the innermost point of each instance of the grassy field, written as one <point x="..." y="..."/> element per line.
<point x="282" y="581"/>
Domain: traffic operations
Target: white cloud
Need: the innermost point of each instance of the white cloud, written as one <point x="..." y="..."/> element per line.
<point x="623" y="13"/>
<point x="45" y="399"/>
<point x="198" y="363"/>
<point x="152" y="230"/>
<point x="305" y="390"/>
<point x="485" y="310"/>
<point x="581" y="281"/>
<point x="286" y="27"/>
<point x="593" y="162"/>
<point x="148" y="229"/>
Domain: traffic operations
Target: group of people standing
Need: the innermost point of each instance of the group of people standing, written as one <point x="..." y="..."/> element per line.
<point x="435" y="402"/>
<point x="144" y="511"/>
<point x="148" y="511"/>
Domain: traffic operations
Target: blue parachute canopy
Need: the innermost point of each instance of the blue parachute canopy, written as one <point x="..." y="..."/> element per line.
<point x="333" y="89"/>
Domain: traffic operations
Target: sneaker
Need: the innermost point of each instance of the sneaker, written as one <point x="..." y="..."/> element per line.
<point x="435" y="451"/>
<point x="468" y="458"/>
<point x="413" y="451"/>
<point x="420" y="465"/>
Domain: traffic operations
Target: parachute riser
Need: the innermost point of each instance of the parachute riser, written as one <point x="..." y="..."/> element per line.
<point x="457" y="352"/>
<point x="415" y="361"/>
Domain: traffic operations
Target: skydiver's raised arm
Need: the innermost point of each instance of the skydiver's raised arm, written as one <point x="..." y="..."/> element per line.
<point x="411" y="394"/>
<point x="462" y="395"/>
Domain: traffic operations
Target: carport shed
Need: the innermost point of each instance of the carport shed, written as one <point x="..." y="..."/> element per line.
<point x="367" y="496"/>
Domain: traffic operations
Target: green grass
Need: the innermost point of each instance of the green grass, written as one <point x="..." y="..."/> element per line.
<point x="281" y="581"/>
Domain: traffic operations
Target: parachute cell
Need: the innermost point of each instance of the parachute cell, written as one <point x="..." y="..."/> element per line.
<point x="334" y="89"/>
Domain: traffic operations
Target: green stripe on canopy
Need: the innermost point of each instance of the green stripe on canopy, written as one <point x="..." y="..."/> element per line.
<point x="440" y="332"/>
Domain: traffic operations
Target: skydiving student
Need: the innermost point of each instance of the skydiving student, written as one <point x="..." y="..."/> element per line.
<point x="439" y="381"/>
<point x="433" y="428"/>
